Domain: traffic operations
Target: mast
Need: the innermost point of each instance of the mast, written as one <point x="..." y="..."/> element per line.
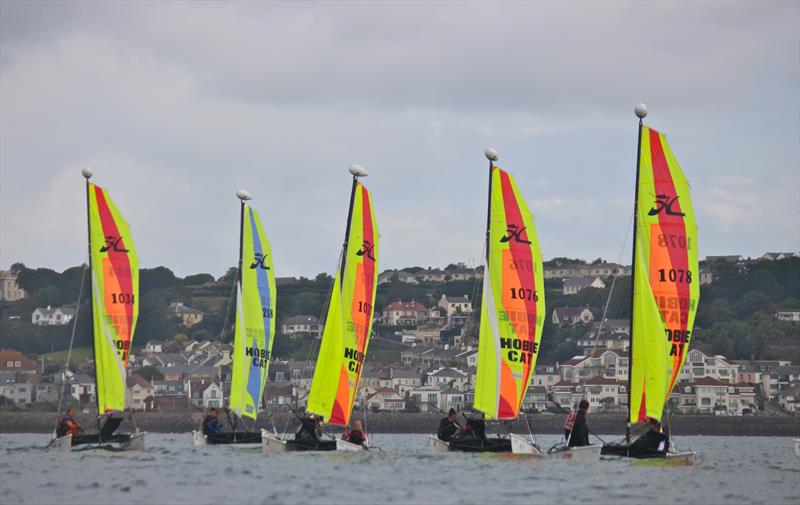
<point x="243" y="196"/>
<point x="87" y="174"/>
<point x="492" y="156"/>
<point x="640" y="111"/>
<point x="357" y="171"/>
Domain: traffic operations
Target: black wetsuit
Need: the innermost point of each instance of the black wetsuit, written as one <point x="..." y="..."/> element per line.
<point x="650" y="444"/>
<point x="580" y="432"/>
<point x="307" y="431"/>
<point x="447" y="429"/>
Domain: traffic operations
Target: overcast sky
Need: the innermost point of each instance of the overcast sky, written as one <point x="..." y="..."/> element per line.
<point x="178" y="105"/>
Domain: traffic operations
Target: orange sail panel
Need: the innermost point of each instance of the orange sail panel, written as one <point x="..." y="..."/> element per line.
<point x="513" y="308"/>
<point x="666" y="277"/>
<point x="115" y="296"/>
<point x="349" y="318"/>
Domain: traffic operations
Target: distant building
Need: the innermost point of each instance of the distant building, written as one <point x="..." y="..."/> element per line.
<point x="456" y="304"/>
<point x="400" y="313"/>
<point x="139" y="390"/>
<point x="732" y="258"/>
<point x="386" y="399"/>
<point x="14" y="362"/>
<point x="772" y="256"/>
<point x="302" y="325"/>
<point x="188" y="316"/>
<point x="574" y="315"/>
<point x="9" y="289"/>
<point x="583" y="270"/>
<point x="49" y="316"/>
<point x="573" y="285"/>
<point x="792" y="315"/>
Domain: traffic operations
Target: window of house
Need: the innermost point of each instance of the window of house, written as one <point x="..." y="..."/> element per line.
<point x="17" y="364"/>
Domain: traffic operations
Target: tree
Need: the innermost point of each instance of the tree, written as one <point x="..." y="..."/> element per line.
<point x="153" y="279"/>
<point x="197" y="279"/>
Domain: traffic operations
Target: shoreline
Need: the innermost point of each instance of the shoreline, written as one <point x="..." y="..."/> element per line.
<point x="395" y="423"/>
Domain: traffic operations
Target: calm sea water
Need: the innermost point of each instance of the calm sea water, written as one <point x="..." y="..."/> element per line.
<point x="727" y="470"/>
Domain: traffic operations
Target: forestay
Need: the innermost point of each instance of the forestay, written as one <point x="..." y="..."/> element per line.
<point x="513" y="307"/>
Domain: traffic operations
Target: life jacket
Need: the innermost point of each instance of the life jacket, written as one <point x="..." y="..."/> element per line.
<point x="68" y="426"/>
<point x="570" y="422"/>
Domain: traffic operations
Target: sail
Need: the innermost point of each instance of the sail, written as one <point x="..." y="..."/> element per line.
<point x="349" y="319"/>
<point x="255" y="318"/>
<point x="512" y="309"/>
<point x="666" y="277"/>
<point x="115" y="296"/>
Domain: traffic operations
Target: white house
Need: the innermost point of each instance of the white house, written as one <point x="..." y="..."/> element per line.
<point x="792" y="315"/>
<point x="574" y="315"/>
<point x="456" y="304"/>
<point x="49" y="316"/>
<point x="400" y="313"/>
<point x="573" y="285"/>
<point x="386" y="399"/>
<point x="302" y="325"/>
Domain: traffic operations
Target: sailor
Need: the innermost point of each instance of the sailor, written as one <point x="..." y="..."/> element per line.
<point x="449" y="426"/>
<point x="579" y="435"/>
<point x="569" y="423"/>
<point x="67" y="425"/>
<point x="355" y="435"/>
<point x="653" y="442"/>
<point x="310" y="428"/>
<point x="210" y="422"/>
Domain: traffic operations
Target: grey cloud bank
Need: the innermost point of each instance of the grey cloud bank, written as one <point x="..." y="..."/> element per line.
<point x="178" y="105"/>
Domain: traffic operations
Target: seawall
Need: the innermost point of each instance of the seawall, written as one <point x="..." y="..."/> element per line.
<point x="384" y="422"/>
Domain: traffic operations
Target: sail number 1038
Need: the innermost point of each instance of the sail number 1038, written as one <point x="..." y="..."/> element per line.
<point x="524" y="294"/>
<point x="124" y="298"/>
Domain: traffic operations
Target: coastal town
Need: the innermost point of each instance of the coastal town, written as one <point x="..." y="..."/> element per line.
<point x="425" y="355"/>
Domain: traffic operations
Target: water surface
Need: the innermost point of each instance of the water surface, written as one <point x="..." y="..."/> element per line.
<point x="730" y="470"/>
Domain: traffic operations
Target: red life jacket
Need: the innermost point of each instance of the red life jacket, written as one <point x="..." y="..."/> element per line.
<point x="570" y="420"/>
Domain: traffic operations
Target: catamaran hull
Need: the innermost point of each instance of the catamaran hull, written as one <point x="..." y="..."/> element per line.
<point x="797" y="446"/>
<point x="272" y="443"/>
<point x="523" y="446"/>
<point x="487" y="445"/>
<point x="438" y="445"/>
<point x="122" y="442"/>
<point x="228" y="438"/>
<point x="345" y="446"/>
<point x="622" y="450"/>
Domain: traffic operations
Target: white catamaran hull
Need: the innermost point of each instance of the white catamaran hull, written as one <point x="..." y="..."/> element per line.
<point x="438" y="445"/>
<point x="272" y="443"/>
<point x="522" y="445"/>
<point x="686" y="457"/>
<point x="136" y="442"/>
<point x="797" y="446"/>
<point x="198" y="438"/>
<point x="343" y="445"/>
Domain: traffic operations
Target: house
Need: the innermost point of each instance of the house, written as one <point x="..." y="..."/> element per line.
<point x="138" y="392"/>
<point x="456" y="304"/>
<point x="600" y="269"/>
<point x="792" y="315"/>
<point x="280" y="397"/>
<point x="608" y="363"/>
<point x="153" y="347"/>
<point x="613" y="325"/>
<point x="400" y="313"/>
<point x="452" y="398"/>
<point x="49" y="316"/>
<point x="188" y="316"/>
<point x="603" y="394"/>
<point x="431" y="275"/>
<point x="447" y="376"/>
<point x="47" y="392"/>
<point x="772" y="256"/>
<point x="401" y="380"/>
<point x="205" y="394"/>
<point x="710" y="396"/>
<point x="535" y="399"/>
<point x="700" y="364"/>
<point x="574" y="315"/>
<point x="426" y="398"/>
<point x="734" y="258"/>
<point x="386" y="399"/>
<point x="573" y="285"/>
<point x="302" y="325"/>
<point x="19" y="392"/>
<point x="789" y="399"/>
<point x="14" y="362"/>
<point x="168" y="388"/>
<point x="545" y="376"/>
<point x="607" y="339"/>
<point x="779" y="379"/>
<point x="9" y="288"/>
<point x="400" y="275"/>
<point x="706" y="276"/>
<point x="472" y="360"/>
<point x="82" y="388"/>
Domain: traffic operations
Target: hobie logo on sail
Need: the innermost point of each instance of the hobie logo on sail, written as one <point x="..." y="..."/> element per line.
<point x="258" y="261"/>
<point x="260" y="356"/>
<point x="356" y="359"/>
<point x="366" y="250"/>
<point x="519" y="350"/>
<point x="113" y="244"/>
<point x="665" y="203"/>
<point x="514" y="232"/>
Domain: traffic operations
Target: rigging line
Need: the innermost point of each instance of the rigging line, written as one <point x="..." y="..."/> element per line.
<point x="72" y="341"/>
<point x="228" y="310"/>
<point x="608" y="301"/>
<point x="323" y="316"/>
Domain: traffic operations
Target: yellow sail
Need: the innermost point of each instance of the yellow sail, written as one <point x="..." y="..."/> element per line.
<point x="666" y="278"/>
<point x="255" y="318"/>
<point x="349" y="319"/>
<point x="513" y="307"/>
<point x="115" y="296"/>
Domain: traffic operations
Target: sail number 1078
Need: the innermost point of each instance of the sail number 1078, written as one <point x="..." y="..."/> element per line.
<point x="524" y="294"/>
<point x="675" y="275"/>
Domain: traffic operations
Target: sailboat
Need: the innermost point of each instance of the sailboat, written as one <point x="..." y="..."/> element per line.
<point x="665" y="291"/>
<point x="114" y="280"/>
<point x="254" y="330"/>
<point x="512" y="314"/>
<point x="348" y="324"/>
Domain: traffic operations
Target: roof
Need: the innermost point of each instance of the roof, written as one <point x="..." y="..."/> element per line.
<point x="708" y="381"/>
<point x="580" y="282"/>
<point x="574" y="361"/>
<point x="180" y="308"/>
<point x="301" y="319"/>
<point x="447" y="372"/>
<point x="456" y="299"/>
<point x="49" y="311"/>
<point x="571" y="312"/>
<point x="452" y="391"/>
<point x="11" y="355"/>
<point x="599" y="380"/>
<point x="405" y="373"/>
<point x="405" y="306"/>
<point x="137" y="380"/>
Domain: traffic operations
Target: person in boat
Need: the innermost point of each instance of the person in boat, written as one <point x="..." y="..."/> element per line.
<point x="355" y="435"/>
<point x="67" y="425"/>
<point x="211" y="422"/>
<point x="474" y="429"/>
<point x="579" y="434"/>
<point x="310" y="428"/>
<point x="653" y="442"/>
<point x="569" y="423"/>
<point x="449" y="426"/>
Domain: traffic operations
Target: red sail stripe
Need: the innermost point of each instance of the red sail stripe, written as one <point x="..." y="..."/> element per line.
<point x="368" y="265"/>
<point x="118" y="259"/>
<point x="522" y="255"/>
<point x="664" y="185"/>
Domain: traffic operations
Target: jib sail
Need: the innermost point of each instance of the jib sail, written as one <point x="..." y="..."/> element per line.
<point x="255" y="317"/>
<point x="666" y="277"/>
<point x="513" y="308"/>
<point x="115" y="296"/>
<point x="349" y="318"/>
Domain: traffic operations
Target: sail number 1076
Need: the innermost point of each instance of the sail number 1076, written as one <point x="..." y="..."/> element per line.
<point x="524" y="294"/>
